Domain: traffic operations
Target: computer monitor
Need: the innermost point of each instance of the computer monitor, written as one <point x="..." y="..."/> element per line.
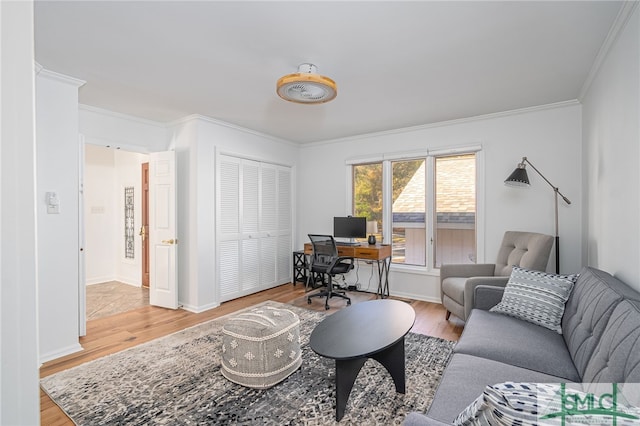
<point x="350" y="227"/>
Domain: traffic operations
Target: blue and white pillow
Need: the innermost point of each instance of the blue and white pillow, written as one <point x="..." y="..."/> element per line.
<point x="537" y="297"/>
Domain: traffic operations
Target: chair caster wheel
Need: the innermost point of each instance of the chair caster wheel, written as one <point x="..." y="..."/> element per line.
<point x="326" y="307"/>
<point x="348" y="302"/>
<point x="308" y="301"/>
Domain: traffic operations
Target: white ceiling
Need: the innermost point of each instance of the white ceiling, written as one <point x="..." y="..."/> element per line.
<point x="397" y="64"/>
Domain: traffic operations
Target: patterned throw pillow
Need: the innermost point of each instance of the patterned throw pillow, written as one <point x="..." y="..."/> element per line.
<point x="512" y="403"/>
<point x="537" y="297"/>
<point x="504" y="403"/>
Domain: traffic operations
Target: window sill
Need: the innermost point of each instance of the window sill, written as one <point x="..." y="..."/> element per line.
<point x="412" y="269"/>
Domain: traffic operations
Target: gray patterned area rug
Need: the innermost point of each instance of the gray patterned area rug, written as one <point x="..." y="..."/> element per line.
<point x="176" y="380"/>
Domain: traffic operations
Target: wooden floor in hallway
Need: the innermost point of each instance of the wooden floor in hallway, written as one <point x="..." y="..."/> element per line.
<point x="113" y="297"/>
<point x="118" y="332"/>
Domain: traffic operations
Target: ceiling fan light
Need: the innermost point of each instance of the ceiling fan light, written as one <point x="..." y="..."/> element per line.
<point x="306" y="86"/>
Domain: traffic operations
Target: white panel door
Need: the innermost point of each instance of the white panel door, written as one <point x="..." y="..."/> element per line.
<point x="163" y="287"/>
<point x="82" y="273"/>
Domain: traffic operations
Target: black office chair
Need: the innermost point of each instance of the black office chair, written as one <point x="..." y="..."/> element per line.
<point x="325" y="260"/>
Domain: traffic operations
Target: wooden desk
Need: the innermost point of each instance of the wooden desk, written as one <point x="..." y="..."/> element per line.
<point x="379" y="253"/>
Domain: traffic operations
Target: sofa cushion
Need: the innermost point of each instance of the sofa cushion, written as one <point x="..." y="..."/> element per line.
<point x="419" y="419"/>
<point x="465" y="378"/>
<point x="513" y="341"/>
<point x="537" y="297"/>
<point x="593" y="299"/>
<point x="616" y="358"/>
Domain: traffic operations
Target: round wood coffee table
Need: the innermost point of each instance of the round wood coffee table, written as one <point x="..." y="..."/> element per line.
<point x="373" y="329"/>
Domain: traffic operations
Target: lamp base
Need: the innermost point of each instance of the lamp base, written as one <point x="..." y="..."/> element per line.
<point x="372" y="240"/>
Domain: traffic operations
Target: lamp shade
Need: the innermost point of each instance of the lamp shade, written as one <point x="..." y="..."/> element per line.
<point x="519" y="177"/>
<point x="372" y="227"/>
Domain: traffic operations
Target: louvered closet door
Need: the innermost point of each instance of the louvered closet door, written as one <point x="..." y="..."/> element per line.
<point x="254" y="226"/>
<point x="269" y="225"/>
<point x="250" y="219"/>
<point x="228" y="228"/>
<point x="284" y="224"/>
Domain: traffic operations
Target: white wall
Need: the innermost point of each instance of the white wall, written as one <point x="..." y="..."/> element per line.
<point x="99" y="214"/>
<point x="108" y="128"/>
<point x="611" y="130"/>
<point x="107" y="172"/>
<point x="57" y="159"/>
<point x="197" y="140"/>
<point x="549" y="136"/>
<point x="19" y="393"/>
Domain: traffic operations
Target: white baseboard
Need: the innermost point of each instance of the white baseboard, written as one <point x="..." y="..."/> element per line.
<point x="102" y="280"/>
<point x="413" y="296"/>
<point x="99" y="280"/>
<point x="198" y="309"/>
<point x="127" y="282"/>
<point x="60" y="353"/>
<point x="416" y="297"/>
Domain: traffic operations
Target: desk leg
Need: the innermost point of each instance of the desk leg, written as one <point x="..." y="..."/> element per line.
<point x="346" y="373"/>
<point x="383" y="277"/>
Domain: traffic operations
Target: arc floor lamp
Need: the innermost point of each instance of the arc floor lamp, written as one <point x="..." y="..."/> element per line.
<point x="519" y="178"/>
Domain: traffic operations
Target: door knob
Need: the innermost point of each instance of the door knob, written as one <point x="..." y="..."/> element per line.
<point x="171" y="241"/>
<point x="143" y="233"/>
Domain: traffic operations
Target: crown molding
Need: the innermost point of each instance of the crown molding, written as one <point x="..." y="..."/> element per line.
<point x="121" y="116"/>
<point x="491" y="116"/>
<point x="624" y="14"/>
<point x="55" y="76"/>
<point x="198" y="117"/>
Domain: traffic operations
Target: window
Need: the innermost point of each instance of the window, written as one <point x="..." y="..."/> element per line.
<point x="367" y="199"/>
<point x="455" y="201"/>
<point x="408" y="212"/>
<point x="428" y="203"/>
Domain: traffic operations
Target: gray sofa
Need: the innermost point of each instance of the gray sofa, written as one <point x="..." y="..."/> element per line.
<point x="600" y="342"/>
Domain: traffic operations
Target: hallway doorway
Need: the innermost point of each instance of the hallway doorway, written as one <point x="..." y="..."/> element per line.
<point x="114" y="255"/>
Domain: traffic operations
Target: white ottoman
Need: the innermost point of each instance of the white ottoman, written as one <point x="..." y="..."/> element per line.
<point x="261" y="347"/>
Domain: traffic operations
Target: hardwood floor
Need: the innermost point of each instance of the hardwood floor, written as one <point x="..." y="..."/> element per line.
<point x="113" y="334"/>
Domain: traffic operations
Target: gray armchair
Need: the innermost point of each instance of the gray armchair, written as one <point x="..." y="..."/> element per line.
<point x="457" y="282"/>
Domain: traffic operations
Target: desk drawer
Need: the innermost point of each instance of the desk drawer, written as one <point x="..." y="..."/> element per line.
<point x="346" y="251"/>
<point x="367" y="253"/>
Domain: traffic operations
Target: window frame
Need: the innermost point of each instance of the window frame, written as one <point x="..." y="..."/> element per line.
<point x="429" y="156"/>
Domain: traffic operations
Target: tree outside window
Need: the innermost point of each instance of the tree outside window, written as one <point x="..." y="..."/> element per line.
<point x="367" y="194"/>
